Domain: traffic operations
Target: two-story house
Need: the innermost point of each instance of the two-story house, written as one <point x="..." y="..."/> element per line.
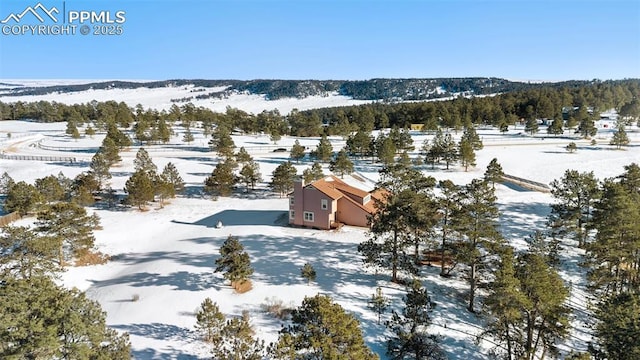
<point x="329" y="202"/>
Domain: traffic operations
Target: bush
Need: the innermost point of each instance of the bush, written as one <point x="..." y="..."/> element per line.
<point x="276" y="307"/>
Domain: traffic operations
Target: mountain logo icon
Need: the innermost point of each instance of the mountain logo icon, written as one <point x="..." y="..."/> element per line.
<point x="39" y="11"/>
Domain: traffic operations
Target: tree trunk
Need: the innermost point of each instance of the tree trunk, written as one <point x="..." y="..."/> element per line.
<point x="394" y="258"/>
<point x="472" y="290"/>
<point x="444" y="243"/>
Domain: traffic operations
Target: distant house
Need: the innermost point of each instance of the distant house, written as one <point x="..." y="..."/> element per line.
<point x="330" y="202"/>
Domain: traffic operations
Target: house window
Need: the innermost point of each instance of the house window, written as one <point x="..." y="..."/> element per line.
<point x="292" y="201"/>
<point x="324" y="204"/>
<point x="292" y="214"/>
<point x="366" y="199"/>
<point x="308" y="216"/>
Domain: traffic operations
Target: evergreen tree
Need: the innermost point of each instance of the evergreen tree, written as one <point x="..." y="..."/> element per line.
<point x="110" y="150"/>
<point x="308" y="273"/>
<point x="72" y="130"/>
<point x="385" y="149"/>
<point x="448" y="206"/>
<point x="163" y="188"/>
<point x="50" y="189"/>
<point x="313" y="173"/>
<point x="89" y="131"/>
<point x="477" y="222"/>
<point x="494" y="172"/>
<point x="121" y="139"/>
<point x="6" y="182"/>
<point x="324" y="150"/>
<point x="341" y="164"/>
<point x="321" y="329"/>
<point x="531" y="126"/>
<point x="555" y="128"/>
<point x="410" y="338"/>
<point x="242" y="156"/>
<point x="282" y="178"/>
<point x="68" y="225"/>
<point x="618" y="328"/>
<point x="505" y="303"/>
<point x="503" y="127"/>
<point x="436" y="150"/>
<point x="571" y="147"/>
<point x="234" y="262"/>
<point x="359" y="143"/>
<point x="221" y="142"/>
<point x="297" y="151"/>
<point x="188" y="136"/>
<point x="379" y="303"/>
<point x="587" y="128"/>
<point x="449" y="150"/>
<point x="238" y="342"/>
<point x="222" y="179"/>
<point x="171" y="175"/>
<point x="143" y="162"/>
<point x="250" y="174"/>
<point x="26" y="254"/>
<point x="466" y="154"/>
<point x="402" y="140"/>
<point x="40" y="320"/>
<point x="22" y="198"/>
<point x="100" y="168"/>
<point x="471" y="136"/>
<point x="140" y="189"/>
<point x="162" y="132"/>
<point x="620" y="137"/>
<point x="575" y="194"/>
<point x="209" y="322"/>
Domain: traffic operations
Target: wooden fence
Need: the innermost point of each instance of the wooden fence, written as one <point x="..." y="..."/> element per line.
<point x="9" y="218"/>
<point x="526" y="183"/>
<point x="39" y="158"/>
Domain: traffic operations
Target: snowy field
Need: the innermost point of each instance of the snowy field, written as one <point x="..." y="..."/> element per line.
<point x="166" y="256"/>
<point x="160" y="98"/>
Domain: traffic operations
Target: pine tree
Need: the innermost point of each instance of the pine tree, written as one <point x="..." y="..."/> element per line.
<point x="449" y="150"/>
<point x="6" y="182"/>
<point x="22" y="198"/>
<point x="436" y="150"/>
<point x="297" y="152"/>
<point x="143" y="162"/>
<point x="242" y="156"/>
<point x="341" y="164"/>
<point x="618" y="328"/>
<point x="238" y="342"/>
<point x="313" y="173"/>
<point x="162" y="132"/>
<point x="494" y="172"/>
<point x="188" y="136"/>
<point x="587" y="128"/>
<point x="477" y="222"/>
<point x="410" y="338"/>
<point x="171" y="175"/>
<point x="72" y="130"/>
<point x="50" y="189"/>
<point x="27" y="254"/>
<point x="471" y="136"/>
<point x="109" y="150"/>
<point x="221" y="142"/>
<point x="250" y="174"/>
<point x="222" y="180"/>
<point x="282" y="178"/>
<point x="620" y="137"/>
<point x="121" y="139"/>
<point x="321" y="329"/>
<point x="89" y="131"/>
<point x="448" y="206"/>
<point x="359" y="144"/>
<point x="68" y="225"/>
<point x="385" y="149"/>
<point x="555" y="128"/>
<point x="379" y="303"/>
<point x="40" y="320"/>
<point x="163" y="188"/>
<point x="324" y="150"/>
<point x="308" y="273"/>
<point x="139" y="188"/>
<point x="466" y="154"/>
<point x="209" y="322"/>
<point x="531" y="126"/>
<point x="505" y="303"/>
<point x="100" y="168"/>
<point x="234" y="262"/>
<point x="575" y="194"/>
<point x="571" y="147"/>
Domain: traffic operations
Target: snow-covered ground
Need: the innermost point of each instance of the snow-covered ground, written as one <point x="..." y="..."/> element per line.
<point x="166" y="256"/>
<point x="160" y="98"/>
